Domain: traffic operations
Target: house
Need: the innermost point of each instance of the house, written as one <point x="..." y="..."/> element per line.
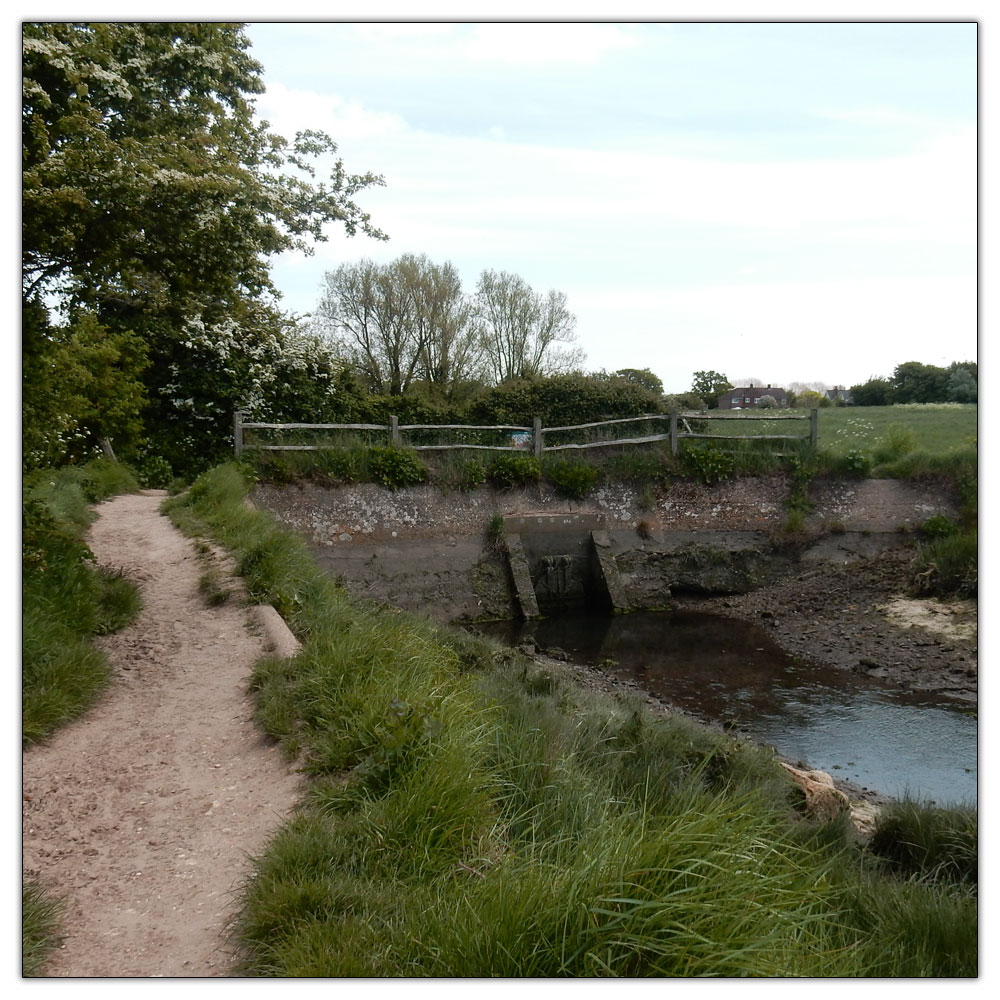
<point x="749" y="397"/>
<point x="839" y="395"/>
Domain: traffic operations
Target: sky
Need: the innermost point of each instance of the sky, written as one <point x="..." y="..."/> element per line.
<point x="776" y="201"/>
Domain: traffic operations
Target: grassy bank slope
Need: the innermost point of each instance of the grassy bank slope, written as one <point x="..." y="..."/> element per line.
<point x="472" y="814"/>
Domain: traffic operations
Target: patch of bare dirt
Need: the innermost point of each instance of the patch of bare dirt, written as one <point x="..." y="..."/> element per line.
<point x="141" y="815"/>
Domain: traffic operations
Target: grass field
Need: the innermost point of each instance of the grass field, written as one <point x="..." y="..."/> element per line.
<point x="935" y="427"/>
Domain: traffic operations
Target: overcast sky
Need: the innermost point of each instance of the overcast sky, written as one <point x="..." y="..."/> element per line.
<point x="787" y="201"/>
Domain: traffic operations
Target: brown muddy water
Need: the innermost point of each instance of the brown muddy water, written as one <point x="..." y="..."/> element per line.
<point x="879" y="738"/>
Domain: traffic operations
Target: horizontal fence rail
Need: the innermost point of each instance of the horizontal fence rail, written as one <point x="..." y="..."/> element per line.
<point x="523" y="438"/>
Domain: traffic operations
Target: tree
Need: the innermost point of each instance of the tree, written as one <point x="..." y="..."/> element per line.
<point x="146" y="181"/>
<point x="709" y="385"/>
<point x="150" y="195"/>
<point x="643" y="377"/>
<point x="81" y="385"/>
<point x="451" y="353"/>
<point x="875" y="392"/>
<point x="913" y="382"/>
<point x="522" y="333"/>
<point x="401" y="322"/>
<point x="798" y="387"/>
<point x="963" y="382"/>
<point x="811" y="399"/>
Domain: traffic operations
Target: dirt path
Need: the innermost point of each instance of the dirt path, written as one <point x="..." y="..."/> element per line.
<point x="141" y="814"/>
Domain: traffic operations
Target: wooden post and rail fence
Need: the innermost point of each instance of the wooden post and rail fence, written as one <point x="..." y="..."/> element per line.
<point x="521" y="438"/>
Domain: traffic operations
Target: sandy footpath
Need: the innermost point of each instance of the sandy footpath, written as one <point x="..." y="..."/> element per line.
<point x="141" y="815"/>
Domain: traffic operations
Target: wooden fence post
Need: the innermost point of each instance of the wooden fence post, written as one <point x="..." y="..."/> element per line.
<point x="394" y="437"/>
<point x="238" y="432"/>
<point x="536" y="436"/>
<point x="814" y="427"/>
<point x="673" y="433"/>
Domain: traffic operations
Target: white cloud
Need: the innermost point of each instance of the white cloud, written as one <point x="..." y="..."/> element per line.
<point x="290" y="110"/>
<point x="834" y="331"/>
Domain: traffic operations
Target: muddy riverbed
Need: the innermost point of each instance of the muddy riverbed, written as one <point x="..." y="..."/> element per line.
<point x="859" y="617"/>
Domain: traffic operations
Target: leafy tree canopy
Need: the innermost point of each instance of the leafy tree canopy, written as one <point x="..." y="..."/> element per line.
<point x="147" y="183"/>
<point x="152" y="201"/>
<point x="708" y="385"/>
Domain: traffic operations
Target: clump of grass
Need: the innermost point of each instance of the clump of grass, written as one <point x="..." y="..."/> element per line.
<point x="119" y="601"/>
<point x="642" y="466"/>
<point x="948" y="566"/>
<point x="950" y="466"/>
<point x="40" y="913"/>
<point x="212" y="587"/>
<point x="917" y="838"/>
<point x="459" y="472"/>
<point x="496" y="534"/>
<point x="894" y="444"/>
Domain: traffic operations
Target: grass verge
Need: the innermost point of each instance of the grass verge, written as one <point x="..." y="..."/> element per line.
<point x="472" y="813"/>
<point x="66" y="599"/>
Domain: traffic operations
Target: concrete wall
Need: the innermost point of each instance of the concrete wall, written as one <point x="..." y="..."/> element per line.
<point x="426" y="551"/>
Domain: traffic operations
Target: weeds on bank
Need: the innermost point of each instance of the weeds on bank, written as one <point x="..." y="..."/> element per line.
<point x="472" y="813"/>
<point x="66" y="599"/>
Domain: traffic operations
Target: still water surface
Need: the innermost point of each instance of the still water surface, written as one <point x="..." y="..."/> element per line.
<point x="732" y="672"/>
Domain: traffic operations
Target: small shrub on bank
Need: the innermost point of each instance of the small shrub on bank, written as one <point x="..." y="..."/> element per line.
<point x="707" y="461"/>
<point x="572" y="480"/>
<point x="853" y="464"/>
<point x="509" y="470"/>
<point x="395" y="468"/>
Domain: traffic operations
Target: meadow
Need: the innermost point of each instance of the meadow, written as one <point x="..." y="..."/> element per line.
<point x="932" y="427"/>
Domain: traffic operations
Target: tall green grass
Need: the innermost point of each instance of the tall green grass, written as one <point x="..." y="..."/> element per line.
<point x="472" y="813"/>
<point x="39" y="921"/>
<point x="66" y="599"/>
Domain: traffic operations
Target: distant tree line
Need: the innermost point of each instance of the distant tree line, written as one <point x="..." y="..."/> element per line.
<point x="913" y="382"/>
<point x="409" y="323"/>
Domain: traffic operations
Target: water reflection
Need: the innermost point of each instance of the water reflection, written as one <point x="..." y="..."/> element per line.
<point x="732" y="672"/>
